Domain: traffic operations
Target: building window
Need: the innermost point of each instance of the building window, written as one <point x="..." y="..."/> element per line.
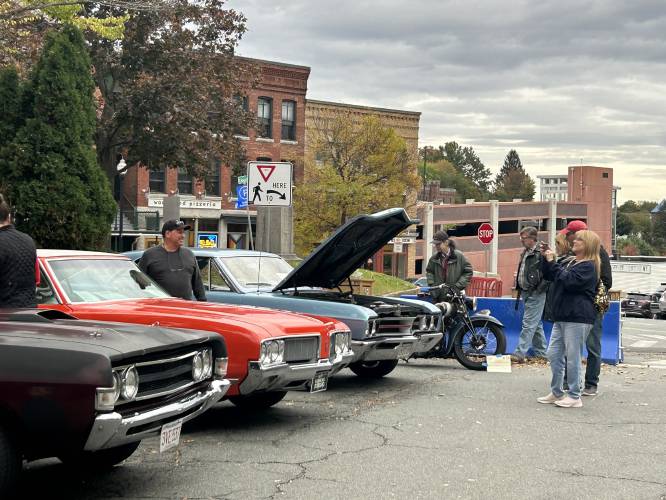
<point x="604" y="175"/>
<point x="288" y="120"/>
<point x="184" y="181"/>
<point x="213" y="180"/>
<point x="265" y="115"/>
<point x="156" y="180"/>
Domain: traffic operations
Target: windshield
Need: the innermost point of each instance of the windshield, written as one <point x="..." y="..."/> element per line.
<point x="252" y="272"/>
<point x="95" y="280"/>
<point x="637" y="296"/>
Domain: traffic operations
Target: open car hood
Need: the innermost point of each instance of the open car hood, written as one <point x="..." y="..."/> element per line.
<point x="347" y="249"/>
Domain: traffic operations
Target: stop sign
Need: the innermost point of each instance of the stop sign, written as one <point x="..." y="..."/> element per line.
<point x="486" y="233"/>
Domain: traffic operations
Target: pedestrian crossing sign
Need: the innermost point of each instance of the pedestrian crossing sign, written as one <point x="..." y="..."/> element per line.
<point x="269" y="183"/>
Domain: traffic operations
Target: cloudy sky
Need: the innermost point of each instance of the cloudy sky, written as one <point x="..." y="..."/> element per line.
<point x="563" y="82"/>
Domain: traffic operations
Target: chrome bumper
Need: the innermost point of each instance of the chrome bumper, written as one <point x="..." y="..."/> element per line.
<point x="286" y="377"/>
<point x="387" y="348"/>
<point x="111" y="429"/>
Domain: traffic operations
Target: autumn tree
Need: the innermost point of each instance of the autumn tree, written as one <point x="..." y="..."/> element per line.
<point x="49" y="169"/>
<point x="512" y="181"/>
<point x="354" y="167"/>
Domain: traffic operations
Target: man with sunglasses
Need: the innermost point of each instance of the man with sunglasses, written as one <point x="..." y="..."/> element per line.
<point x="173" y="266"/>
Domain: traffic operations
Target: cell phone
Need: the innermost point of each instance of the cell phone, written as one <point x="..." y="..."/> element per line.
<point x="543" y="245"/>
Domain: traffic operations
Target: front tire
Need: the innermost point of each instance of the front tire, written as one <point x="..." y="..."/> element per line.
<point x="472" y="347"/>
<point x="10" y="463"/>
<point x="373" y="369"/>
<point x="99" y="460"/>
<point x="258" y="401"/>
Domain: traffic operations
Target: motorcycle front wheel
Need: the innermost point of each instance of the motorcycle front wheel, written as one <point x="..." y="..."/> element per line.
<point x="472" y="346"/>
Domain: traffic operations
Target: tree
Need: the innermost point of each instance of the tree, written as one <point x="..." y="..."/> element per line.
<point x="512" y="181"/>
<point x="62" y="197"/>
<point x="450" y="177"/>
<point x="624" y="224"/>
<point x="468" y="163"/>
<point x="10" y="103"/>
<point x="356" y="167"/>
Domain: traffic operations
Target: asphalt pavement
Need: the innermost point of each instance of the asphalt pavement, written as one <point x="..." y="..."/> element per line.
<point x="431" y="429"/>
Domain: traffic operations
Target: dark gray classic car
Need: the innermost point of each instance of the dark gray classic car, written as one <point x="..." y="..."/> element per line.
<point x="383" y="329"/>
<point x="88" y="392"/>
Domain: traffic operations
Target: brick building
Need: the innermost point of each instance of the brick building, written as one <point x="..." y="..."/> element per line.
<point x="279" y="101"/>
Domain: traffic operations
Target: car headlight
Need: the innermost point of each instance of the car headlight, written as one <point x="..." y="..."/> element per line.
<point x="129" y="383"/>
<point x="197" y="367"/>
<point x="207" y="357"/>
<point x="340" y="343"/>
<point x="433" y="322"/>
<point x="272" y="352"/>
<point x="423" y="323"/>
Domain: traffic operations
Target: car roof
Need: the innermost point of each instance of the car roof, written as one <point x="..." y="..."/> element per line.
<point x="49" y="253"/>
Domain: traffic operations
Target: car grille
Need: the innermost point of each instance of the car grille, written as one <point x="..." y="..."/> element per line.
<point x="301" y="349"/>
<point x="395" y="325"/>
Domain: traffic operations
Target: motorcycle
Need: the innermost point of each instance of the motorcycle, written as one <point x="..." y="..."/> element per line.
<point x="469" y="335"/>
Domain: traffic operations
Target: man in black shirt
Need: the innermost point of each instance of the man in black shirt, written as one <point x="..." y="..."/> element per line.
<point x="18" y="258"/>
<point x="173" y="266"/>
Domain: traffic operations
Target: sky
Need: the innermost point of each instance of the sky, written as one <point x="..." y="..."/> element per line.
<point x="564" y="83"/>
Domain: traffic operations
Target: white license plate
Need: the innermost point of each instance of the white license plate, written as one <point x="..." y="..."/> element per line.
<point x="403" y="351"/>
<point x="170" y="435"/>
<point x="319" y="382"/>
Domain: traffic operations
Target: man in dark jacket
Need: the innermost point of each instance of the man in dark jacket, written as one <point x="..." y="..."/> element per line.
<point x="593" y="342"/>
<point x="532" y="289"/>
<point x="448" y="265"/>
<point x="17" y="264"/>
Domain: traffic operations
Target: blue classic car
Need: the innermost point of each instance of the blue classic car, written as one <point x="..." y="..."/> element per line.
<point x="384" y="329"/>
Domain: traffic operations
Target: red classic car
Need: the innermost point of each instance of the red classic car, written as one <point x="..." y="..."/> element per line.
<point x="270" y="352"/>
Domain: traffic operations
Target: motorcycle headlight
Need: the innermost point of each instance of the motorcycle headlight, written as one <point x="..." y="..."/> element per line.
<point x="197" y="367"/>
<point x="130" y="383"/>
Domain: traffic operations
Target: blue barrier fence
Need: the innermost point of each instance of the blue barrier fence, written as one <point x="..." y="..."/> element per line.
<point x="504" y="310"/>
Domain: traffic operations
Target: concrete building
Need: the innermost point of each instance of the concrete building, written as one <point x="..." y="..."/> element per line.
<point x="398" y="260"/>
<point x="590" y="194"/>
<point x="279" y="101"/>
<point x="553" y="187"/>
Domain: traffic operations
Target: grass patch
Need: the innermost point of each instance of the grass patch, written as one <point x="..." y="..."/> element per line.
<point x="383" y="282"/>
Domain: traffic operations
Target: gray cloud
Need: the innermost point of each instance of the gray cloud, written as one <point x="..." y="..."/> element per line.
<point x="558" y="81"/>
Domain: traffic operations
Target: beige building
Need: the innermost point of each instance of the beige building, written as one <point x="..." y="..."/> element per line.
<point x="399" y="259"/>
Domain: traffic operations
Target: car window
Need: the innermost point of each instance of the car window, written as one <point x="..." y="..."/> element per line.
<point x="637" y="296"/>
<point x="95" y="280"/>
<point x="204" y="267"/>
<point x="44" y="293"/>
<point x="251" y="271"/>
<point x="217" y="281"/>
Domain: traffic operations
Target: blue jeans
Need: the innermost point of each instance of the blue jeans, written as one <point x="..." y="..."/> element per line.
<point x="531" y="334"/>
<point x="593" y="344"/>
<point x="566" y="350"/>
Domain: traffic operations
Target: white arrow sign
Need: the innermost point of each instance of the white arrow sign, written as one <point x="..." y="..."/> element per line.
<point x="269" y="183"/>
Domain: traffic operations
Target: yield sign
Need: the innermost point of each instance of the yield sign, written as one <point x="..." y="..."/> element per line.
<point x="265" y="171"/>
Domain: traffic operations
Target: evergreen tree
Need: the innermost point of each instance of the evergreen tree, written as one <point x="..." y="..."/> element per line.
<point x="61" y="196"/>
<point x="9" y="104"/>
<point x="512" y="181"/>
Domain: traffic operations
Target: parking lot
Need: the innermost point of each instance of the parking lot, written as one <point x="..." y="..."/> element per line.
<point x="429" y="430"/>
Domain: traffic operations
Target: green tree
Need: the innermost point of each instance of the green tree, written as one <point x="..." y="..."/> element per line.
<point x="61" y="196"/>
<point x="357" y="166"/>
<point x="625" y="225"/>
<point x="512" y="181"/>
<point x="466" y="161"/>
<point x="10" y="104"/>
<point x="629" y="206"/>
<point x="450" y="177"/>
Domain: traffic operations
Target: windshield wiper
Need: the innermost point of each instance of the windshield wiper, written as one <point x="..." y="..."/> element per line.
<point x="260" y="283"/>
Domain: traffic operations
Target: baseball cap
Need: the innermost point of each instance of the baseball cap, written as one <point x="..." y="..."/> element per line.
<point x="440" y="236"/>
<point x="574" y="226"/>
<point x="172" y="224"/>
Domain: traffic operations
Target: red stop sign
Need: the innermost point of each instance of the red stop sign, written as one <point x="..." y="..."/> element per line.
<point x="486" y="233"/>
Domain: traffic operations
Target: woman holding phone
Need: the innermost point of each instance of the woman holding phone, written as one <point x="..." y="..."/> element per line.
<point x="573" y="287"/>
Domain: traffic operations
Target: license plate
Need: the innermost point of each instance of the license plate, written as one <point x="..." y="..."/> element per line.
<point x="403" y="351"/>
<point x="170" y="435"/>
<point x="319" y="382"/>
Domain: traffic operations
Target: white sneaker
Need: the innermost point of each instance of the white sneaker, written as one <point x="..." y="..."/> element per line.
<point x="569" y="402"/>
<point x="550" y="399"/>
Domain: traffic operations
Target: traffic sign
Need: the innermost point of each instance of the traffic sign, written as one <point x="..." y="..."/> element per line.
<point x="269" y="183"/>
<point x="486" y="233"/>
<point x="241" y="196"/>
<point x="242" y="180"/>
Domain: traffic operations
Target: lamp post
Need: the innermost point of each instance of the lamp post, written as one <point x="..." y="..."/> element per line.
<point x="121" y="168"/>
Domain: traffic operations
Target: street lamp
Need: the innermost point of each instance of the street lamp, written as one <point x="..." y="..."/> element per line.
<point x="121" y="168"/>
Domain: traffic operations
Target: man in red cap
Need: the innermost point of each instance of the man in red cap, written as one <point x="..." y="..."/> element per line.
<point x="593" y="342"/>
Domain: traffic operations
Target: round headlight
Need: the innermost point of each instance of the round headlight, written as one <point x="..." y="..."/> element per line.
<point x="197" y="367"/>
<point x="375" y="327"/>
<point x="117" y="384"/>
<point x="130" y="384"/>
<point x="433" y="322"/>
<point x="423" y="323"/>
<point x="280" y="344"/>
<point x="273" y="352"/>
<point x="339" y="344"/>
<point x="207" y="363"/>
<point x="263" y="354"/>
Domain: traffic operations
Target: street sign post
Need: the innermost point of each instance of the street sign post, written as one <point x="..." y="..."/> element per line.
<point x="486" y="233"/>
<point x="269" y="183"/>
